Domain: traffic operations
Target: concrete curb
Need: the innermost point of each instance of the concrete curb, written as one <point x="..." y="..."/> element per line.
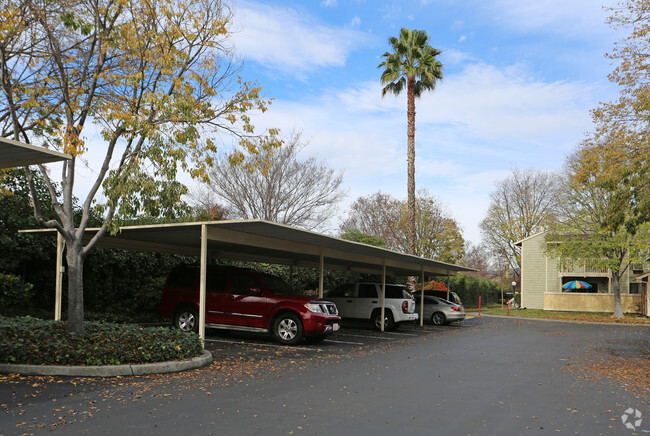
<point x="560" y="320"/>
<point x="109" y="370"/>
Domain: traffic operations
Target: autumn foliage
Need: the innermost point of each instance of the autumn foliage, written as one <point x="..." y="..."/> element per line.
<point x="431" y="286"/>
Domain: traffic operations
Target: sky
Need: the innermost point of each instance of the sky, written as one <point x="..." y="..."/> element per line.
<point x="520" y="78"/>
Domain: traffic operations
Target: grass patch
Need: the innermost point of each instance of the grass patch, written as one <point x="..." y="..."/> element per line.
<point x="33" y="341"/>
<point x="567" y="316"/>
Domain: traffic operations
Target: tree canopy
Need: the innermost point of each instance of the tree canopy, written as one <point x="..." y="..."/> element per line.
<point x="439" y="236"/>
<point x="606" y="202"/>
<point x="521" y="205"/>
<point x="150" y="88"/>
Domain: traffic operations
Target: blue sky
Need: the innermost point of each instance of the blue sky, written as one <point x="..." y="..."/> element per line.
<point x="520" y="77"/>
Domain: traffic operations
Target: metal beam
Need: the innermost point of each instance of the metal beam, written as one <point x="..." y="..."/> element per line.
<point x="204" y="269"/>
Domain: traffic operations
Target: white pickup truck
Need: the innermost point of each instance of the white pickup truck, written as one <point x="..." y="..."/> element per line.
<point x="363" y="301"/>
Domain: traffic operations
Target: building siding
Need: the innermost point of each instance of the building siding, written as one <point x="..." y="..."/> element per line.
<point x="541" y="284"/>
<point x="533" y="272"/>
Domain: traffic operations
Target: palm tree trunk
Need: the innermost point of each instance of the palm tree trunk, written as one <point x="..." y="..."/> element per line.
<point x="411" y="163"/>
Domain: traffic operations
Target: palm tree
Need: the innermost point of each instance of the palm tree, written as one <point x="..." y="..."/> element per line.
<point x="412" y="63"/>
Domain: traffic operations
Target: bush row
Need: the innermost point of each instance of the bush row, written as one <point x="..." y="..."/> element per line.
<point x="27" y="340"/>
<point x="470" y="288"/>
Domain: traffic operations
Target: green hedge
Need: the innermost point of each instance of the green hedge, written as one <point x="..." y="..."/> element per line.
<point x="470" y="288"/>
<point x="33" y="341"/>
<point x="13" y="292"/>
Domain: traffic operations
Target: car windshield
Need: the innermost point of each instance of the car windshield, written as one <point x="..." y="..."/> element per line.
<point x="277" y="285"/>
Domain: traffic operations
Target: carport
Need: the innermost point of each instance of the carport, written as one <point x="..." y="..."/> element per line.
<point x="260" y="241"/>
<point x="17" y="154"/>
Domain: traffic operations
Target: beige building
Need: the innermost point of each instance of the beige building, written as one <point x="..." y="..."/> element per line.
<point x="542" y="278"/>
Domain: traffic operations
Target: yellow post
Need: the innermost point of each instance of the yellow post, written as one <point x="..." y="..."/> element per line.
<point x="58" y="290"/>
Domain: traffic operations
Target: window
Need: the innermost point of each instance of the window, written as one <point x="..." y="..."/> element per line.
<point x="276" y="285"/>
<point x="635" y="288"/>
<point x="367" y="290"/>
<point x="396" y="291"/>
<point x="216" y="281"/>
<point x="346" y="290"/>
<point x="244" y="284"/>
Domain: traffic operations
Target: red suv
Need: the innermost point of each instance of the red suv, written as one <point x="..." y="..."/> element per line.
<point x="242" y="299"/>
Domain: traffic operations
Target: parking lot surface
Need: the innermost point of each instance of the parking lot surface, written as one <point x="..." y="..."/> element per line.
<point x="486" y="376"/>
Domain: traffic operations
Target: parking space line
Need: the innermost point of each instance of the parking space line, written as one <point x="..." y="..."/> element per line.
<point x="401" y="334"/>
<point x="344" y="342"/>
<point x="261" y="345"/>
<point x="362" y="336"/>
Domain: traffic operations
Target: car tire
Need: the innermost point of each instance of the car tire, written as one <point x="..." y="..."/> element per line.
<point x="288" y="329"/>
<point x="438" y="318"/>
<point x="389" y="322"/>
<point x="186" y="318"/>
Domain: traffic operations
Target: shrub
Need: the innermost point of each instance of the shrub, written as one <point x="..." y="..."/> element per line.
<point x="33" y="341"/>
<point x="470" y="288"/>
<point x="13" y="292"/>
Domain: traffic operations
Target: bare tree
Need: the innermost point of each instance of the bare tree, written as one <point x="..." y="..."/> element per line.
<point x="477" y="257"/>
<point x="522" y="205"/>
<point x="377" y="215"/>
<point x="287" y="190"/>
<point x="438" y="235"/>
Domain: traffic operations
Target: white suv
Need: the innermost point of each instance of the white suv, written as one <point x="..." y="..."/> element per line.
<point x="363" y="301"/>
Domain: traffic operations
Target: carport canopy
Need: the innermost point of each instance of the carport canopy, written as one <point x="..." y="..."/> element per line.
<point x="17" y="154"/>
<point x="261" y="241"/>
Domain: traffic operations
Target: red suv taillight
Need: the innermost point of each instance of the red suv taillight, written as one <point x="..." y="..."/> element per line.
<point x="405" y="306"/>
<point x="457" y="308"/>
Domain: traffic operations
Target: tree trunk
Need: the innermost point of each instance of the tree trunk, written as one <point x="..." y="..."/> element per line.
<point x="618" y="310"/>
<point x="75" y="264"/>
<point x="411" y="163"/>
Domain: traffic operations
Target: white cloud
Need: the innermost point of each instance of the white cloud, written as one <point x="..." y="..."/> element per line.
<point x="328" y="3"/>
<point x="471" y="131"/>
<point x="575" y="17"/>
<point x="289" y="41"/>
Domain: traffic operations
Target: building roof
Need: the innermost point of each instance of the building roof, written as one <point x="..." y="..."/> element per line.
<point x="518" y="243"/>
<point x="267" y="242"/>
<point x="16" y="154"/>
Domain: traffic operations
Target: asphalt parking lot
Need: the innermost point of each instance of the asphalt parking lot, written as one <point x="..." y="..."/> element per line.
<point x="487" y="376"/>
<point x="354" y="336"/>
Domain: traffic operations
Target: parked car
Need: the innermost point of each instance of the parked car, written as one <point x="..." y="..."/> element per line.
<point x="363" y="301"/>
<point x="242" y="299"/>
<point x="440" y="311"/>
<point x="449" y="296"/>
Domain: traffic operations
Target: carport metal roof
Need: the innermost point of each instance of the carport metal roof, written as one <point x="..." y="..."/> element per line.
<point x="261" y="241"/>
<point x="17" y="154"/>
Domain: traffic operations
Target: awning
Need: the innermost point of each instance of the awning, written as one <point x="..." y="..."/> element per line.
<point x="16" y="154"/>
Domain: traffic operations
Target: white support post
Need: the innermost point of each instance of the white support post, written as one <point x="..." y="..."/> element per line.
<point x="422" y="296"/>
<point x="448" y="284"/>
<point x="320" y="277"/>
<point x="204" y="268"/>
<point x="383" y="294"/>
<point x="58" y="291"/>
